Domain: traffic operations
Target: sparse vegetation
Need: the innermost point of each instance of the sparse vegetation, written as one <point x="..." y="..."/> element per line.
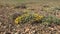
<point x="51" y="19"/>
<point x="29" y="16"/>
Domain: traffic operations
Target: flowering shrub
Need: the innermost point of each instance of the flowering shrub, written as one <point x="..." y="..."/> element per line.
<point x="28" y="18"/>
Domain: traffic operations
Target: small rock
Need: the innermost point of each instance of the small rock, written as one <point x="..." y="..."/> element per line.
<point x="16" y="33"/>
<point x="27" y="29"/>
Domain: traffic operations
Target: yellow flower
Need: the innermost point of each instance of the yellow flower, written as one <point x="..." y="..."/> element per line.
<point x="28" y="17"/>
<point x="38" y="17"/>
<point x="18" y="19"/>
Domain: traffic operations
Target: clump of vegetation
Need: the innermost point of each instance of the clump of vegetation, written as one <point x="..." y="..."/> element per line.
<point x="28" y="18"/>
<point x="51" y="19"/>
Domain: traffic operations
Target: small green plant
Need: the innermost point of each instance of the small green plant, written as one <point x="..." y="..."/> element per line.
<point x="51" y="19"/>
<point x="28" y="18"/>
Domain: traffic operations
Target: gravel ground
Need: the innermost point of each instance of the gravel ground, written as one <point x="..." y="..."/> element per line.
<point x="7" y="25"/>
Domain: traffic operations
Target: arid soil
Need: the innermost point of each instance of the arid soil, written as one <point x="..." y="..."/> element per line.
<point x="9" y="13"/>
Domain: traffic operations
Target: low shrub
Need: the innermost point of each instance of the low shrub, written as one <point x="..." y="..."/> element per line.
<point x="31" y="17"/>
<point x="28" y="18"/>
<point x="51" y="19"/>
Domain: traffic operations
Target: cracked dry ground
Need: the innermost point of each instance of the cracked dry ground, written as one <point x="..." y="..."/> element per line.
<point x="7" y="25"/>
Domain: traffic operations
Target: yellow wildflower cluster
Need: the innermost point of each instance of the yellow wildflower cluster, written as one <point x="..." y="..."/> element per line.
<point x="38" y="17"/>
<point x="19" y="18"/>
<point x="28" y="17"/>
